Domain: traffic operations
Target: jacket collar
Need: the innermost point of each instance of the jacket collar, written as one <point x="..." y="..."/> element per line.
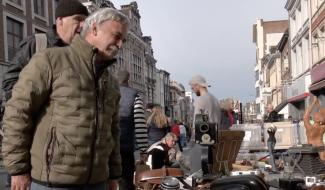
<point x="86" y="51"/>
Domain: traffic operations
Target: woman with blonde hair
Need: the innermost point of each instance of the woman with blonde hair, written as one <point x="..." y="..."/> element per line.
<point x="164" y="153"/>
<point x="157" y="125"/>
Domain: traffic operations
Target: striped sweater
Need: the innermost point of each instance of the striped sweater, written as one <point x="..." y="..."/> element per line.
<point x="141" y="132"/>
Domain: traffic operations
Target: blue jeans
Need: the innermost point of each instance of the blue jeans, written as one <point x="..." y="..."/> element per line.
<point x="100" y="186"/>
<point x="182" y="139"/>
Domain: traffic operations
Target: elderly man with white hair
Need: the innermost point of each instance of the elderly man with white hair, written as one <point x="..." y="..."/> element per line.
<point x="61" y="126"/>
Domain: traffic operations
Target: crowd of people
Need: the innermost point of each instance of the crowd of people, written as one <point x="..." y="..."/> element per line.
<point x="70" y="124"/>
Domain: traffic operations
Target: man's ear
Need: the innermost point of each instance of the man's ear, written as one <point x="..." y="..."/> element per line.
<point x="59" y="21"/>
<point x="94" y="29"/>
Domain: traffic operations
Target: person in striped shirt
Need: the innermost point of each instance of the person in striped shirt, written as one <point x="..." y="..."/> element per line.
<point x="133" y="129"/>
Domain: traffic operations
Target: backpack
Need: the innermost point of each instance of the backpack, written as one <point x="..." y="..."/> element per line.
<point x="41" y="44"/>
<point x="41" y="41"/>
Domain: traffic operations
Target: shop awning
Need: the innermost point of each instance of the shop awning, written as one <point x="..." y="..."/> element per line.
<point x="279" y="107"/>
<point x="317" y="86"/>
<point x="298" y="98"/>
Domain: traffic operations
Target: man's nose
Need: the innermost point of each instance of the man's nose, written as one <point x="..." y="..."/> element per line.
<point x="119" y="43"/>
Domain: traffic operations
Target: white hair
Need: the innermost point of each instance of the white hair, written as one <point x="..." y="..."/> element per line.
<point x="102" y="15"/>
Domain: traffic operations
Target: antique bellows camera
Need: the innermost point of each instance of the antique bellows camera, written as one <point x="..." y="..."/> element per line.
<point x="205" y="132"/>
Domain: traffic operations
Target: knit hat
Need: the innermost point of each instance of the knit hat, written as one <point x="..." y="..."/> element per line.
<point x="198" y="79"/>
<point x="70" y="7"/>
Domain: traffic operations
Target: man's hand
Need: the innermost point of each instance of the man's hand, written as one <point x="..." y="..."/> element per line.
<point x="20" y="182"/>
<point x="112" y="185"/>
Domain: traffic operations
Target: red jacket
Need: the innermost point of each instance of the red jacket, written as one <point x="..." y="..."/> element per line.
<point x="175" y="130"/>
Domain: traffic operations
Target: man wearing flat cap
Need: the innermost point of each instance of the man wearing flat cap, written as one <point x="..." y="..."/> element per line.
<point x="69" y="15"/>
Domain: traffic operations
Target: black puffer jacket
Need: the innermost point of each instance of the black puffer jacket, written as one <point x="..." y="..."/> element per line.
<point x="22" y="57"/>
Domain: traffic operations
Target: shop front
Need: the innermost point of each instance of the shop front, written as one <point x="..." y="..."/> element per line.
<point x="298" y="97"/>
<point x="317" y="86"/>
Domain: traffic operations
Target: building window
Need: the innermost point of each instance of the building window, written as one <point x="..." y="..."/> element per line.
<point x="294" y="62"/>
<point x="257" y="91"/>
<point x="293" y="26"/>
<point x="39" y="7"/>
<point x="18" y="2"/>
<point x="38" y="31"/>
<point x="305" y="53"/>
<point x="15" y="32"/>
<point x="257" y="75"/>
<point x="137" y="68"/>
<point x="272" y="49"/>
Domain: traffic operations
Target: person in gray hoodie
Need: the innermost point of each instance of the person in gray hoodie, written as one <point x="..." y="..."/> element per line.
<point x="207" y="104"/>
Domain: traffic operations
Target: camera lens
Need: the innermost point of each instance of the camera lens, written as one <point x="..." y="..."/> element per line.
<point x="204" y="128"/>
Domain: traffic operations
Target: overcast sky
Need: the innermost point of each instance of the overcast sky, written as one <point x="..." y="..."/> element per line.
<point x="212" y="38"/>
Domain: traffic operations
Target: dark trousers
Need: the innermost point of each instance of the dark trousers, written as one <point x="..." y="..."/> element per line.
<point x="128" y="168"/>
<point x="8" y="180"/>
<point x="179" y="145"/>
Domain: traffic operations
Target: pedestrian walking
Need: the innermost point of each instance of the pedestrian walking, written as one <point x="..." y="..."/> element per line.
<point x="182" y="136"/>
<point x="271" y="115"/>
<point x="207" y="104"/>
<point x="133" y="129"/>
<point x="61" y="124"/>
<point x="175" y="130"/>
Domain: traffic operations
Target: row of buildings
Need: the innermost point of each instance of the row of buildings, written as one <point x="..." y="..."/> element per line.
<point x="290" y="60"/>
<point x="21" y="18"/>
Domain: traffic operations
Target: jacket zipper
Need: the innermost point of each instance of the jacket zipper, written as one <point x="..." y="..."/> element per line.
<point x="93" y="144"/>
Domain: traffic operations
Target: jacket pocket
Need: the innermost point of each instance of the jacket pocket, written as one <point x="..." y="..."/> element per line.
<point x="60" y="151"/>
<point x="49" y="150"/>
<point x="65" y="144"/>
